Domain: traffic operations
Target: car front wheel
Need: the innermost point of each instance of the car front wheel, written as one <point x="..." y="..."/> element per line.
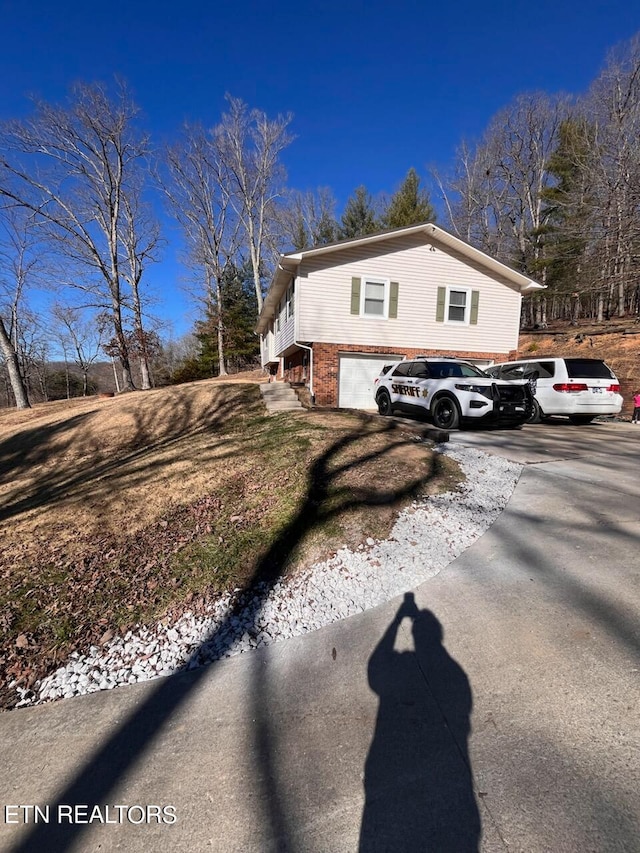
<point x="445" y="413"/>
<point x="536" y="413"/>
<point x="384" y="403"/>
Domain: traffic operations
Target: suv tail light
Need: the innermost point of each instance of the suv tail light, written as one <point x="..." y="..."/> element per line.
<point x="614" y="388"/>
<point x="571" y="387"/>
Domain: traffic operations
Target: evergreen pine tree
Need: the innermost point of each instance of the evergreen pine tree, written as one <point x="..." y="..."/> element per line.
<point x="567" y="208"/>
<point x="239" y="310"/>
<point x="409" y="205"/>
<point x="300" y="237"/>
<point x="242" y="347"/>
<point x="359" y="217"/>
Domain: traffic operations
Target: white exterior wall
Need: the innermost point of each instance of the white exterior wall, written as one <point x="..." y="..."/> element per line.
<point x="287" y="334"/>
<point x="323" y="299"/>
<point x="267" y="346"/>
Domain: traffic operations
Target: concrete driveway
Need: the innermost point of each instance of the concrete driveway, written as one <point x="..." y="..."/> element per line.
<point x="497" y="710"/>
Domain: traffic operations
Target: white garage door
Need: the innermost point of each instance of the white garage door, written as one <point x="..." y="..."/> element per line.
<point x="356" y="379"/>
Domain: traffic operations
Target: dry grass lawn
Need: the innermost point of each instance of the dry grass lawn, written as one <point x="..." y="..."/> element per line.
<point x="115" y="511"/>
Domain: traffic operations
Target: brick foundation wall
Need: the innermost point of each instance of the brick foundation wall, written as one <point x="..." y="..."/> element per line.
<point x="296" y="369"/>
<point x="326" y="361"/>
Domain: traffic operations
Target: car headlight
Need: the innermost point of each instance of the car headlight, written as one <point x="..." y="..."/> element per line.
<point x="475" y="389"/>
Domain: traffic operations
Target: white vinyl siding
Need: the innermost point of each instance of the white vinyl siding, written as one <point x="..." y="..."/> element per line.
<point x="285" y="326"/>
<point x="323" y="299"/>
<point x="267" y="346"/>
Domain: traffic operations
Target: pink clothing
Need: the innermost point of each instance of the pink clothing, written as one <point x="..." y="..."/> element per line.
<point x="636" y="401"/>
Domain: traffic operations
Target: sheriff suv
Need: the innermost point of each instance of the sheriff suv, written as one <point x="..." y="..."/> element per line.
<point x="451" y="391"/>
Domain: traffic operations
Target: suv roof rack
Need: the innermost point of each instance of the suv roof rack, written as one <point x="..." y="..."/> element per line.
<point x="438" y="357"/>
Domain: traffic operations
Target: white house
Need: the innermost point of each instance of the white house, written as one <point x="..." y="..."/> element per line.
<point x="335" y="314"/>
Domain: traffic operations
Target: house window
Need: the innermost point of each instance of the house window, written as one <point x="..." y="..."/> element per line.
<point x="375" y="298"/>
<point x="458" y="306"/>
<point x="278" y="316"/>
<point x="290" y="300"/>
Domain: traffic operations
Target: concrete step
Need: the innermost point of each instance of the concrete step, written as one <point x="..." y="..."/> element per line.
<point x="280" y="397"/>
<point x="277" y="393"/>
<point x="283" y="405"/>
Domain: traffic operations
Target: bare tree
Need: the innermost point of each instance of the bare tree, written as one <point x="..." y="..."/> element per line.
<point x="496" y="200"/>
<point x="80" y="336"/>
<point x="554" y="188"/>
<point x="250" y="145"/>
<point x="140" y="238"/>
<point x="309" y="218"/>
<point x="199" y="196"/>
<point x="17" y="263"/>
<point x="34" y="356"/>
<point x="475" y="204"/>
<point x="613" y="105"/>
<point x="72" y="167"/>
<point x="501" y="190"/>
<point x="13" y="368"/>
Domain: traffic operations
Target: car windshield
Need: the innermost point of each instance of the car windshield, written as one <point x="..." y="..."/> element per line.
<point x="444" y="369"/>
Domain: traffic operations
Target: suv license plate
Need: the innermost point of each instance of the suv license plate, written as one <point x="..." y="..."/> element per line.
<point x="596" y="390"/>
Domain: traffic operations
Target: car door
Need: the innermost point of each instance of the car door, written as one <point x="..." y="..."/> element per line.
<point x="541" y="375"/>
<point x="420" y="378"/>
<point x="399" y="385"/>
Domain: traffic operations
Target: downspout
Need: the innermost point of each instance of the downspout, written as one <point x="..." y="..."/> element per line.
<point x="304" y="346"/>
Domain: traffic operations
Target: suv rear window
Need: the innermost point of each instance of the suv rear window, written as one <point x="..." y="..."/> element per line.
<point x="587" y="368"/>
<point x="546" y="369"/>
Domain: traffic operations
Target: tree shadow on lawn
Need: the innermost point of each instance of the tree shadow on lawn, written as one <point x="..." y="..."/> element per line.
<point x="29" y="447"/>
<point x="123" y="749"/>
<point x="81" y="465"/>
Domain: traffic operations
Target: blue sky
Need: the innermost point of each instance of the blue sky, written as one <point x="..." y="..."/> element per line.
<point x="375" y="88"/>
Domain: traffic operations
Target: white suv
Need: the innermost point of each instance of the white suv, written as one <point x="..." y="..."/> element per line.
<point x="579" y="388"/>
<point x="451" y="391"/>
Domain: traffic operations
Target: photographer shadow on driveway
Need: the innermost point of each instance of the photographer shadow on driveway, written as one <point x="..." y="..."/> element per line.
<point x="418" y="781"/>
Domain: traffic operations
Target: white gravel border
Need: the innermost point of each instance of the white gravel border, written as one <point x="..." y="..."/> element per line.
<point x="426" y="537"/>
